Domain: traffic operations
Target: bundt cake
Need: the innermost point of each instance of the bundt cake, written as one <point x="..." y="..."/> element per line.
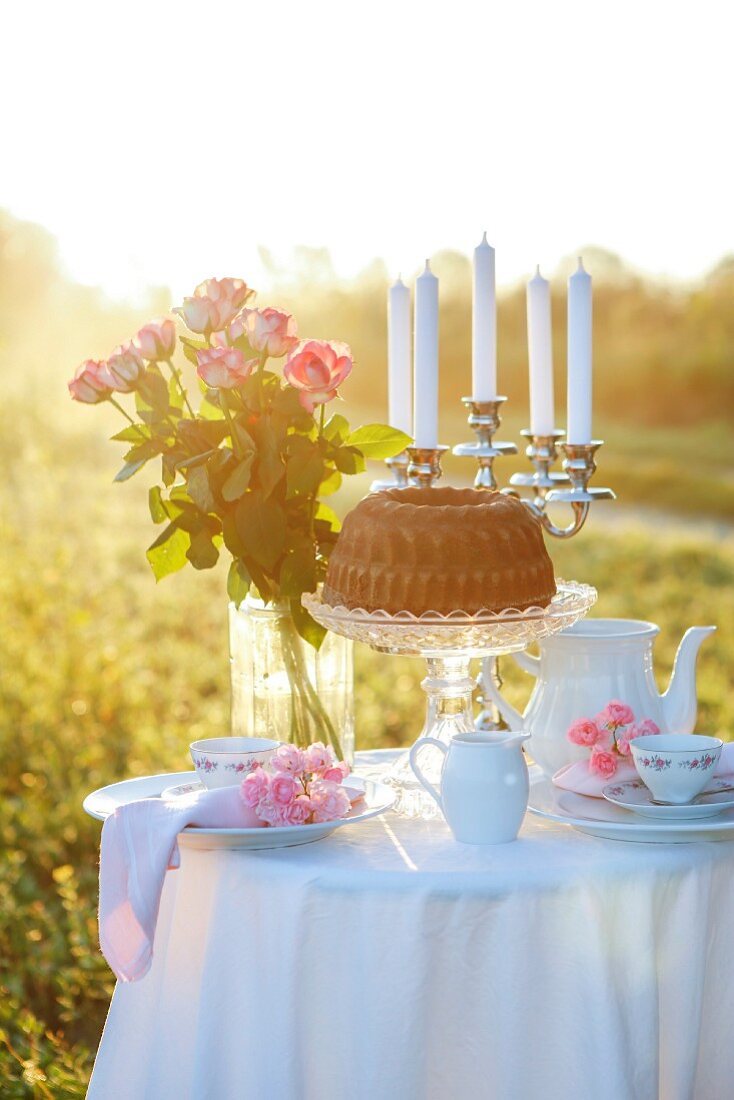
<point x="439" y="550"/>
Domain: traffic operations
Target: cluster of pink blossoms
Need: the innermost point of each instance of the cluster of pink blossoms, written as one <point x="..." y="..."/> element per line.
<point x="304" y="787"/>
<point x="217" y="311"/>
<point x="609" y="735"/>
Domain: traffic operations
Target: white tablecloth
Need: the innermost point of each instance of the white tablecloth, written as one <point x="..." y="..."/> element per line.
<point x="389" y="962"/>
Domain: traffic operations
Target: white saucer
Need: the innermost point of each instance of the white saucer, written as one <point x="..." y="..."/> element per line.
<point x="599" y="817"/>
<point x="632" y="794"/>
<point x="100" y="804"/>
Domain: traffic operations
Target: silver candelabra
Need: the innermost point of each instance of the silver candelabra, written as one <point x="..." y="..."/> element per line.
<point x="536" y="489"/>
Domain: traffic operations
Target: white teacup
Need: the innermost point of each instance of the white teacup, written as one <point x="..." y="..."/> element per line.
<point x="224" y="761"/>
<point x="675" y="767"/>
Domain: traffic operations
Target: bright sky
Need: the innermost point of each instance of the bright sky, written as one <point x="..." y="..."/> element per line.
<point x="165" y="142"/>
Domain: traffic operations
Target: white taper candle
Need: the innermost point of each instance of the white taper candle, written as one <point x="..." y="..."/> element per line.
<point x="399" y="374"/>
<point x="578" y="429"/>
<point x="484" y="324"/>
<point x="540" y="352"/>
<point x="425" y="386"/>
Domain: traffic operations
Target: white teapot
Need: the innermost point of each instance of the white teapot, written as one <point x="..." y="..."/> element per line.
<point x="484" y="785"/>
<point x="583" y="668"/>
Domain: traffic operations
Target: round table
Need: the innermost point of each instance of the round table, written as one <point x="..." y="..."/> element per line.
<point x="389" y="962"/>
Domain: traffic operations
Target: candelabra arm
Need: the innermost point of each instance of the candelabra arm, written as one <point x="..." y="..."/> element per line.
<point x="398" y="466"/>
<point x="580" y="512"/>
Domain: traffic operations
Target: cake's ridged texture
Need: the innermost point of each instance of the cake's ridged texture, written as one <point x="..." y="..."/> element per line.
<point x="439" y="550"/>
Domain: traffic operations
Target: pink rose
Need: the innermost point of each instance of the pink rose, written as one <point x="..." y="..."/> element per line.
<point x="213" y="305"/>
<point x="338" y="773"/>
<point x="584" y="731"/>
<point x="125" y="365"/>
<point x="284" y="789"/>
<point x="329" y="800"/>
<point x="615" y="714"/>
<point x="603" y="763"/>
<point x="157" y="340"/>
<point x="319" y="757"/>
<point x="92" y="382"/>
<point x="647" y="728"/>
<point x="271" y="331"/>
<point x="224" y="368"/>
<point x="624" y="738"/>
<point x="269" y="811"/>
<point x="289" y="759"/>
<point x="255" y="787"/>
<point x="316" y="368"/>
<point x="297" y="812"/>
<point x="232" y="332"/>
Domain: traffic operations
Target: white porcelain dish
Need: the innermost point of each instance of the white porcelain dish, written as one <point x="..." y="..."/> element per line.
<point x="598" y="817"/>
<point x="101" y="803"/>
<point x="632" y="794"/>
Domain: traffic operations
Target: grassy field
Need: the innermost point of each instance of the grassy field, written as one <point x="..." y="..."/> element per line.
<point x="105" y="675"/>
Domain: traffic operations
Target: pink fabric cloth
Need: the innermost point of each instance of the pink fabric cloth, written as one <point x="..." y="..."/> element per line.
<point x="577" y="777"/>
<point x="138" y="846"/>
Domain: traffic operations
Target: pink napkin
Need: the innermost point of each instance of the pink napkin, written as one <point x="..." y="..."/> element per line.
<point x="577" y="777"/>
<point x="138" y="846"/>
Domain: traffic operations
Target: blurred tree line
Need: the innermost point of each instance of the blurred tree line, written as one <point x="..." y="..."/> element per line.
<point x="663" y="353"/>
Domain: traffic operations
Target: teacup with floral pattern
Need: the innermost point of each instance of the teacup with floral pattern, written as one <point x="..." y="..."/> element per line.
<point x="676" y="766"/>
<point x="225" y="761"/>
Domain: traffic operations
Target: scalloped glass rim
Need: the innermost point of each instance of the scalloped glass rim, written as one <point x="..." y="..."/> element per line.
<point x="434" y="635"/>
<point x="570" y="597"/>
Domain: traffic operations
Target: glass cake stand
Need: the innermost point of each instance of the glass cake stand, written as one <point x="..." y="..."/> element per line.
<point x="447" y="643"/>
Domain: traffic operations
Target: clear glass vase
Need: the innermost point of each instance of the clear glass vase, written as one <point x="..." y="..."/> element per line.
<point x="282" y="687"/>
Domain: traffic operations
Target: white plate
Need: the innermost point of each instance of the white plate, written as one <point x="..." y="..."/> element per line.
<point x="600" y="818"/>
<point x="632" y="794"/>
<point x="101" y="803"/>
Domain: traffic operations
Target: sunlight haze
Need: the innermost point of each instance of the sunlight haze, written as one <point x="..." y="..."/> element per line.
<point x="162" y="143"/>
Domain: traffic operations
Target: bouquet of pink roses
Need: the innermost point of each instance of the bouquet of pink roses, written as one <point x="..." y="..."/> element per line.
<point x="304" y="787"/>
<point x="609" y="735"/>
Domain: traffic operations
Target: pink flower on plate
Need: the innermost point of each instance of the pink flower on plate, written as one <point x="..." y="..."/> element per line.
<point x="647" y="728"/>
<point x="214" y="304"/>
<point x="156" y="341"/>
<point x="271" y="331"/>
<point x="584" y="731"/>
<point x="319" y="757"/>
<point x="329" y="800"/>
<point x="284" y="789"/>
<point x="92" y="382"/>
<point x="316" y="368"/>
<point x="223" y="368"/>
<point x="269" y="811"/>
<point x="125" y="364"/>
<point x="255" y="787"/>
<point x="288" y="759"/>
<point x="615" y="714"/>
<point x="297" y="812"/>
<point x="339" y="772"/>
<point x="602" y="763"/>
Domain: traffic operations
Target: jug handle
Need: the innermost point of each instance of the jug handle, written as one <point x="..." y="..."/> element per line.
<point x="527" y="662"/>
<point x="418" y="773"/>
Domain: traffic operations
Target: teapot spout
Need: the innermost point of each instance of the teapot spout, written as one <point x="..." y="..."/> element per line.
<point x="680" y="703"/>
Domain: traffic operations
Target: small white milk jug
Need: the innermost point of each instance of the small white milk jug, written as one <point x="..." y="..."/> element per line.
<point x="484" y="785"/>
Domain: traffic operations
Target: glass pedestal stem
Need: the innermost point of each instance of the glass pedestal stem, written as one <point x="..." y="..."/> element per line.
<point x="449" y="688"/>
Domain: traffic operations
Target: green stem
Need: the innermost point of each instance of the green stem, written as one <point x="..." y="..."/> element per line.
<point x="304" y="695"/>
<point x="184" y="396"/>
<point x="230" y="421"/>
<point x="127" y="416"/>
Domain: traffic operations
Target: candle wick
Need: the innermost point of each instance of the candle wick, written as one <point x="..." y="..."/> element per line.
<point x="537" y="271"/>
<point x="484" y="238"/>
<point x="581" y="263"/>
<point x="428" y="266"/>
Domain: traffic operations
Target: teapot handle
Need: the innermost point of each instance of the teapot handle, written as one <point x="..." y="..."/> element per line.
<point x="490" y="690"/>
<point x="420" y="743"/>
<point x="527" y="662"/>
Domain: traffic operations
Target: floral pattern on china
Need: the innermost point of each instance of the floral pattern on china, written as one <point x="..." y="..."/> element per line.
<point x="304" y="787"/>
<point x="608" y="736"/>
<point x="659" y="763"/>
<point x="209" y="765"/>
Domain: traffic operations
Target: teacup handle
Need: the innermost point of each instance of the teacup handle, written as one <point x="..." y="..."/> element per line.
<point x="421" y="743"/>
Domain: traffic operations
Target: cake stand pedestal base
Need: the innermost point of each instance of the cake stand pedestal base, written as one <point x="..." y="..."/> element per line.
<point x="449" y="688"/>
